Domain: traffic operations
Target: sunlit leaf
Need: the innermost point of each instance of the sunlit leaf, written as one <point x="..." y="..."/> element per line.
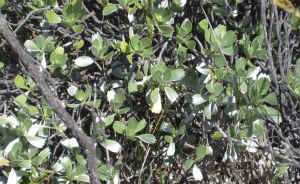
<point x="111" y="145"/>
<point x="197" y="174"/>
<point x="83" y="61"/>
<point x="147" y="138"/>
<point x="52" y="17"/>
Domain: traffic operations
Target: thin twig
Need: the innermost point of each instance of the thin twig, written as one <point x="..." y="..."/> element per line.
<point x="22" y="22"/>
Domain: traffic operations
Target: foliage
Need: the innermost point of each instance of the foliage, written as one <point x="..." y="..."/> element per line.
<point x="167" y="89"/>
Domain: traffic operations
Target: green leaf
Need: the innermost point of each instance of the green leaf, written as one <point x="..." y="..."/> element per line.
<point x="281" y="169"/>
<point x="78" y="28"/>
<point x="80" y="95"/>
<point x="58" y="58"/>
<point x="32" y="110"/>
<point x="240" y="64"/>
<point x="171" y="94"/>
<point x="271" y="112"/>
<point x="21" y="100"/>
<point x="253" y="72"/>
<point x="110" y="8"/>
<point x="155" y="99"/>
<point x="166" y="30"/>
<point x="45" y="153"/>
<point x="154" y="96"/>
<point x="82" y="177"/>
<point x="219" y="62"/>
<point x="111" y="145"/>
<point x="186" y="28"/>
<point x="145" y="43"/>
<point x="261" y="54"/>
<point x="217" y="135"/>
<point x="38" y="160"/>
<point x="271" y="98"/>
<point x="202" y="151"/>
<point x="198" y="99"/>
<point x="81" y="160"/>
<point x="177" y="75"/>
<point x="31" y="46"/>
<point x="208" y="111"/>
<point x="37" y="142"/>
<point x="147" y="138"/>
<point x="258" y="129"/>
<point x="134" y="42"/>
<point x="52" y="17"/>
<point x="163" y="15"/>
<point x="257" y="43"/>
<point x="214" y="88"/>
<point x="119" y="127"/>
<point x="228" y="39"/>
<point x="109" y="120"/>
<point x="263" y="86"/>
<point x="40" y="41"/>
<point x="218" y="88"/>
<point x="19" y="82"/>
<point x="123" y="3"/>
<point x="146" y="53"/>
<point x="125" y="48"/>
<point x="203" y="25"/>
<point x="133" y="87"/>
<point x="10" y="147"/>
<point x="132" y="124"/>
<point x="179" y="3"/>
<point x="190" y="44"/>
<point x="67" y="164"/>
<point x="230" y="50"/>
<point x="25" y="164"/>
<point x="188" y="164"/>
<point x="2" y="3"/>
<point x="129" y="58"/>
<point x="140" y="125"/>
<point x="78" y="44"/>
<point x="103" y="171"/>
<point x="81" y="169"/>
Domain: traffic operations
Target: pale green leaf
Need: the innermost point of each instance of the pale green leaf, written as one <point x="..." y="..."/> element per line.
<point x="111" y="145"/>
<point x="110" y="8"/>
<point x="52" y="17"/>
<point x="83" y="61"/>
<point x="171" y="94"/>
<point x="147" y="138"/>
<point x="36" y="141"/>
<point x="202" y="151"/>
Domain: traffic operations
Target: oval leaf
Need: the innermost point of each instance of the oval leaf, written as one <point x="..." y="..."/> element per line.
<point x="171" y="149"/>
<point x="198" y="99"/>
<point x="52" y="17"/>
<point x="147" y="138"/>
<point x="171" y="94"/>
<point x="70" y="143"/>
<point x="36" y="141"/>
<point x="197" y="174"/>
<point x="155" y="98"/>
<point x="83" y="61"/>
<point x="110" y="8"/>
<point x="111" y="145"/>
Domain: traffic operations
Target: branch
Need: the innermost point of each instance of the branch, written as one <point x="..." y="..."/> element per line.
<point x="88" y="144"/>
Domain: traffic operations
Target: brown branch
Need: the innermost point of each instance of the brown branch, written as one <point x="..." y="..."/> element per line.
<point x="87" y="143"/>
